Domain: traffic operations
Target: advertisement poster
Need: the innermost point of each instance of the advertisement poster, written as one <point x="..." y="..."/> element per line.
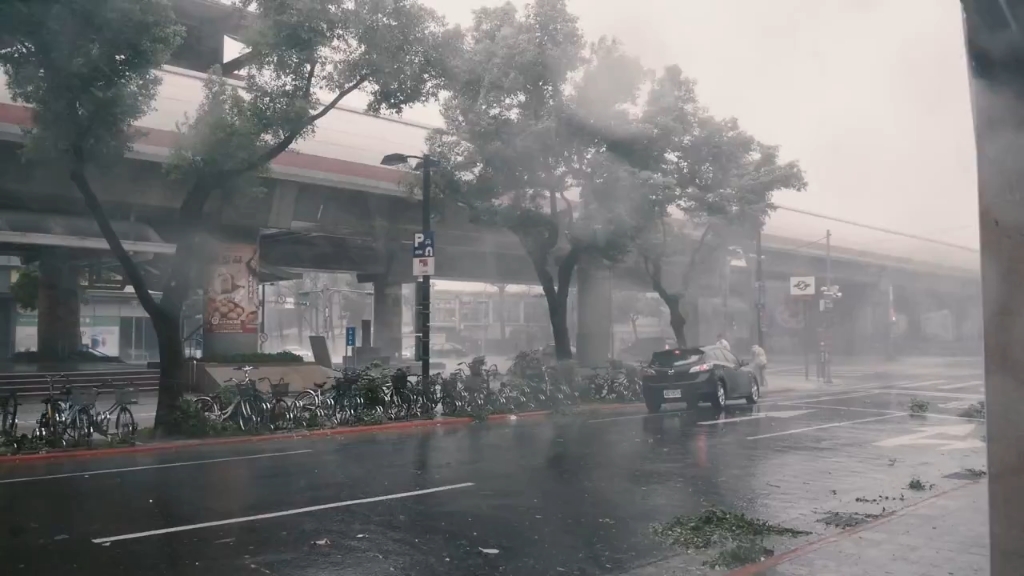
<point x="232" y="291"/>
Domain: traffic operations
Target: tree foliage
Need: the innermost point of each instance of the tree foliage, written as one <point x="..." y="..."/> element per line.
<point x="521" y="150"/>
<point x="89" y="70"/>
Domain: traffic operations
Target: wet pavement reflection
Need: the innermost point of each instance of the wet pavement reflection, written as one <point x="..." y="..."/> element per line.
<point x="572" y="494"/>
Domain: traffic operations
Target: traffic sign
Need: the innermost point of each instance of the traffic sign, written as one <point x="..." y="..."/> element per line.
<point x="801" y="286"/>
<point x="422" y="266"/>
<point x="350" y="336"/>
<point x="264" y="337"/>
<point x="423" y="245"/>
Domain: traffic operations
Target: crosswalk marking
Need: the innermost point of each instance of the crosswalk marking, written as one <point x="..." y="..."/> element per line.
<point x="961" y="385"/>
<point x="927" y="383"/>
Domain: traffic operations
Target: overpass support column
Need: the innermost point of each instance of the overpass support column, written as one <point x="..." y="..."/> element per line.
<point x="594" y="314"/>
<point x="997" y="85"/>
<point x="59" y="321"/>
<point x="387" y="317"/>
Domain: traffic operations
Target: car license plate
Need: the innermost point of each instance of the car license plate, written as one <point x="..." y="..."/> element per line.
<point x="673" y="393"/>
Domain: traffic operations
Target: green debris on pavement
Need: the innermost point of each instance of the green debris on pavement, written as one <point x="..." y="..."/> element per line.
<point x="917" y="485"/>
<point x="738" y="538"/>
<point x="844" y="520"/>
<point x="918" y="406"/>
<point x="974" y="411"/>
<point x="975" y="472"/>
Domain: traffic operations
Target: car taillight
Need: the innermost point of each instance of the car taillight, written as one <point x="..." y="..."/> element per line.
<point x="700" y="368"/>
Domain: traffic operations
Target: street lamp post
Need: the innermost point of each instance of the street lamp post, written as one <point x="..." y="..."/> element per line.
<point x="424" y="165"/>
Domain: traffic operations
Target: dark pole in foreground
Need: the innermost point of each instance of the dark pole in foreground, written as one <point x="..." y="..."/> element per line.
<point x="995" y="51"/>
<point x="759" y="275"/>
<point x="425" y="280"/>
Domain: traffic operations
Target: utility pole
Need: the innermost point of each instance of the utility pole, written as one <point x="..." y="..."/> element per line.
<point x="828" y="307"/>
<point x="759" y="280"/>
<point x="425" y="280"/>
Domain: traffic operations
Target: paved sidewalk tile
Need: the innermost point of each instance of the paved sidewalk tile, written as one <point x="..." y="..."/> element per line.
<point x="944" y="536"/>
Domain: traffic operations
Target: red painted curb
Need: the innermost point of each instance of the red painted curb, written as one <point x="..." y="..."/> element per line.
<point x="760" y="567"/>
<point x="179" y="445"/>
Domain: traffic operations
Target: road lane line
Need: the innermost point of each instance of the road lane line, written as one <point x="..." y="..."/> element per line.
<point x="832" y="425"/>
<point x="857" y="395"/>
<point x="134" y="468"/>
<point x="932" y="393"/>
<point x="962" y="385"/>
<point x="927" y="414"/>
<point x="918" y="384"/>
<point x="279" y="514"/>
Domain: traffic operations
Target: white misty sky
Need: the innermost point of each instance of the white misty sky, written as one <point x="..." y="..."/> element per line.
<point x="871" y="96"/>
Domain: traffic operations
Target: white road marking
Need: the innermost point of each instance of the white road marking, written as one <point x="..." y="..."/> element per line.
<point x="857" y="395"/>
<point x="279" y="514"/>
<point x="931" y="393"/>
<point x="963" y="385"/>
<point x="927" y="383"/>
<point x="832" y="425"/>
<point x="927" y="415"/>
<point x="925" y="437"/>
<point x="780" y="414"/>
<point x="134" y="468"/>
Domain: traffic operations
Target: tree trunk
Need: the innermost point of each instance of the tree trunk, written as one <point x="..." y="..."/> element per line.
<point x="632" y="323"/>
<point x="672" y="301"/>
<point x="501" y="312"/>
<point x="59" y="307"/>
<point x="166" y="316"/>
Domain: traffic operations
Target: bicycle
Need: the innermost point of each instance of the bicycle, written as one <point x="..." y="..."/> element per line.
<point x="51" y="423"/>
<point x="244" y="410"/>
<point x="313" y="407"/>
<point x="280" y="414"/>
<point x="125" y="427"/>
<point x="9" y="417"/>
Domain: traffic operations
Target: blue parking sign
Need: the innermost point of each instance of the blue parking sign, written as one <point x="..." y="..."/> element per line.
<point x="350" y="336"/>
<point x="423" y="245"/>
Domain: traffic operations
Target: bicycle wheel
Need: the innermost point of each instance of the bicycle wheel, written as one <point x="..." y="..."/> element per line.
<point x="280" y="414"/>
<point x="124" y="425"/>
<point x="207" y="406"/>
<point x="79" y="428"/>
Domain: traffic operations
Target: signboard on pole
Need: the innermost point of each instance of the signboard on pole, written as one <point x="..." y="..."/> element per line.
<point x="422" y="266"/>
<point x="232" y="295"/>
<point x="801" y="286"/>
<point x="423" y="245"/>
<point x="423" y="254"/>
<point x="350" y="336"/>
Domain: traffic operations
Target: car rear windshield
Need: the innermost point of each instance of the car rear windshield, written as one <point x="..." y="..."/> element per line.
<point x="676" y="357"/>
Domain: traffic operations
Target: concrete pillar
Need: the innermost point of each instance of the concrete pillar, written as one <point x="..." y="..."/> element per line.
<point x="594" y="310"/>
<point x="231" y="312"/>
<point x="387" y="318"/>
<point x="997" y="86"/>
<point x="59" y="306"/>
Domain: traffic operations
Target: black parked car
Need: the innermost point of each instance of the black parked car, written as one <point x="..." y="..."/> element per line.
<point x="690" y="375"/>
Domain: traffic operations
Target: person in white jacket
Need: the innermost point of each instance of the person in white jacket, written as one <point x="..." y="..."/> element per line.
<point x="723" y="342"/>
<point x="760" y="363"/>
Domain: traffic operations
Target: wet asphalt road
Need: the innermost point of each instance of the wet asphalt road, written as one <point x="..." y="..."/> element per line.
<point x="562" y="495"/>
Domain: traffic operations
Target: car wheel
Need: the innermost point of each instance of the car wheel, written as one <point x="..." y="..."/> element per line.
<point x="755" y="391"/>
<point x="718" y="400"/>
<point x="653" y="404"/>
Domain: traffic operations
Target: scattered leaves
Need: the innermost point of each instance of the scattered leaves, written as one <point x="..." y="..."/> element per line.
<point x="918" y="406"/>
<point x="714" y="527"/>
<point x="974" y="411"/>
<point x="917" y="485"/>
<point x="844" y="520"/>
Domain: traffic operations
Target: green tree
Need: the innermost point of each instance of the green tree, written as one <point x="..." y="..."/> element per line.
<point x="520" y="138"/>
<point x="719" y="178"/>
<point x="88" y="69"/>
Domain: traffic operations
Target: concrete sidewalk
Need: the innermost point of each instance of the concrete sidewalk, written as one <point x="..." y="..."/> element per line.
<point x="944" y="535"/>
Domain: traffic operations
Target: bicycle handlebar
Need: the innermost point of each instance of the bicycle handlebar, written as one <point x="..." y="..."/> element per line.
<point x="246" y="368"/>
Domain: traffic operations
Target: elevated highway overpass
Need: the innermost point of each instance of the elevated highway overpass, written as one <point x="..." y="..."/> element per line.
<point x="329" y="205"/>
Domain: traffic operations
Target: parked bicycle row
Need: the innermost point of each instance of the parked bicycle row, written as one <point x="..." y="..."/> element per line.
<point x="372" y="395"/>
<point x="377" y="394"/>
<point x="71" y="416"/>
